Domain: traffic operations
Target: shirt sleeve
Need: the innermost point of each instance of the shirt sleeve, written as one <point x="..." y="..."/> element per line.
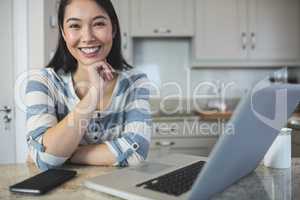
<point x="40" y="116"/>
<point x="133" y="145"/>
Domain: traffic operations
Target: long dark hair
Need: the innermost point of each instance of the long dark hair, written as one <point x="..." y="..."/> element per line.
<point x="63" y="59"/>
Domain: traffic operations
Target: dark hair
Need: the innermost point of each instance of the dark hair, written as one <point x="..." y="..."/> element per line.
<point x="63" y="59"/>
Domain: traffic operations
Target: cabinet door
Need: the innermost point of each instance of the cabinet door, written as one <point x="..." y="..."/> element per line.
<point x="50" y="29"/>
<point x="185" y="145"/>
<point x="162" y="18"/>
<point x="122" y="10"/>
<point x="189" y="136"/>
<point x="274" y="29"/>
<point x="221" y="30"/>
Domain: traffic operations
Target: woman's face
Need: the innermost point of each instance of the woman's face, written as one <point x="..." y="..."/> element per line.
<point x="87" y="31"/>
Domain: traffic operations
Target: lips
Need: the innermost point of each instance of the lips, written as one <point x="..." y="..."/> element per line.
<point x="90" y="51"/>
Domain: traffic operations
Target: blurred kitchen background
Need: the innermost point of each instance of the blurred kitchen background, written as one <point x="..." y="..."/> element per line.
<point x="203" y="56"/>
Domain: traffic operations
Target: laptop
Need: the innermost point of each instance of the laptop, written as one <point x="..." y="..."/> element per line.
<point x="239" y="150"/>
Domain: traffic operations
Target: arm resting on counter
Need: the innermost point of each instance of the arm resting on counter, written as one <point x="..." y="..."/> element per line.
<point x="52" y="142"/>
<point x="97" y="154"/>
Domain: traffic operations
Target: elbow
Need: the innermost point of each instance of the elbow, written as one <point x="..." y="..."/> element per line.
<point x="45" y="165"/>
<point x="45" y="161"/>
<point x="41" y="158"/>
<point x="130" y="150"/>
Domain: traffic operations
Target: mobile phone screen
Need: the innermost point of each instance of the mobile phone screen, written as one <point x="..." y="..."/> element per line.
<point x="43" y="182"/>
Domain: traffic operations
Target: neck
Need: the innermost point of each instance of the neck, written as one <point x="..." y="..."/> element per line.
<point x="81" y="75"/>
<point x="81" y="81"/>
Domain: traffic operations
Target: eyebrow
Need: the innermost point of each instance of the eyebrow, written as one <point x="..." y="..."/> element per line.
<point x="77" y="19"/>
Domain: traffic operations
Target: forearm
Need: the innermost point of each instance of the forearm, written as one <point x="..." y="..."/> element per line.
<point x="63" y="139"/>
<point x="98" y="154"/>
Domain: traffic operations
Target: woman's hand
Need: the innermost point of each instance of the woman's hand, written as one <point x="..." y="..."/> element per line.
<point x="100" y="73"/>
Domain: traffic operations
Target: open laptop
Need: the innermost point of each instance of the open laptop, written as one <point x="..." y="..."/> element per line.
<point x="256" y="122"/>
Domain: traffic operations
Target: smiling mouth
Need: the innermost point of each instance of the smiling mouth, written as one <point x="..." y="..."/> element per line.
<point x="90" y="50"/>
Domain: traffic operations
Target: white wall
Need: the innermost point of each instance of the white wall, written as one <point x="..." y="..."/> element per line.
<point x="42" y="37"/>
<point x="36" y="39"/>
<point x="7" y="142"/>
<point x="241" y="79"/>
<point x="164" y="61"/>
<point x="20" y="35"/>
<point x="168" y="60"/>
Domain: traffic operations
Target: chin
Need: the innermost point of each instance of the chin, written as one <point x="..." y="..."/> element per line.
<point x="91" y="61"/>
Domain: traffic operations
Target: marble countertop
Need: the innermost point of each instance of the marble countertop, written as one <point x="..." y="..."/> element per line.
<point x="263" y="183"/>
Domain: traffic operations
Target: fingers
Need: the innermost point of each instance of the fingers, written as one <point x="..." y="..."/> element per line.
<point x="105" y="70"/>
<point x="111" y="70"/>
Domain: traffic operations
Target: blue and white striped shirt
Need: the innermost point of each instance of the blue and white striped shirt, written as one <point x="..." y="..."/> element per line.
<point x="124" y="126"/>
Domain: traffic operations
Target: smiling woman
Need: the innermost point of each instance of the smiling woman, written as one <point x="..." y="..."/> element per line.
<point x="88" y="32"/>
<point x="87" y="106"/>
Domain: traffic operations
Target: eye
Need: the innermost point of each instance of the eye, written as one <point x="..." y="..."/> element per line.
<point x="100" y="24"/>
<point x="74" y="26"/>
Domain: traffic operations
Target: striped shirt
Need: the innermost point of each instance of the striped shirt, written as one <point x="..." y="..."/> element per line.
<point x="124" y="126"/>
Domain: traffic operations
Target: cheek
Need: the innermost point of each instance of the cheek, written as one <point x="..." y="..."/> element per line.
<point x="71" y="39"/>
<point x="105" y="36"/>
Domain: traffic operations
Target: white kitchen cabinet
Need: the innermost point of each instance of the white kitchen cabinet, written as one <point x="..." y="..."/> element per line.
<point x="247" y="31"/>
<point x="194" y="146"/>
<point x="122" y="10"/>
<point x="220" y="29"/>
<point x="186" y="135"/>
<point x="162" y="18"/>
<point x="274" y="29"/>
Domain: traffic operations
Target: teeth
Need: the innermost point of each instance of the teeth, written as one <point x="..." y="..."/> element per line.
<point x="89" y="50"/>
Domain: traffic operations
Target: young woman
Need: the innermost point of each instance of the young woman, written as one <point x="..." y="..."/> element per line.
<point x="88" y="106"/>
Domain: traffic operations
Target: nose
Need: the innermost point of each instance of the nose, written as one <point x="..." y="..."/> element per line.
<point x="87" y="34"/>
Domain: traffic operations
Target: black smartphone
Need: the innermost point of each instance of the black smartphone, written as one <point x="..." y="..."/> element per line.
<point x="43" y="182"/>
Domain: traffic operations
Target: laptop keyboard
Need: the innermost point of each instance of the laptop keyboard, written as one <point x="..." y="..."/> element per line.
<point x="176" y="182"/>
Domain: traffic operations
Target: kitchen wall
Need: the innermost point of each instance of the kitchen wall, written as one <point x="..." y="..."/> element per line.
<point x="165" y="61"/>
<point x="169" y="60"/>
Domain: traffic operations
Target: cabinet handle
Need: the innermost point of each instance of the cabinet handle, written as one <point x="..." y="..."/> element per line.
<point x="162" y="30"/>
<point x="165" y="143"/>
<point x="244" y="40"/>
<point x="253" y="41"/>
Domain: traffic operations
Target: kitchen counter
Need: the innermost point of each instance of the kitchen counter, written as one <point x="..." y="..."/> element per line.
<point x="188" y="107"/>
<point x="264" y="183"/>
